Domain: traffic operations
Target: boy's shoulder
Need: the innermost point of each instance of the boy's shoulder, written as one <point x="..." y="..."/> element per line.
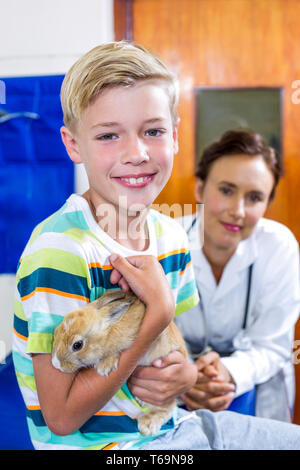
<point x="68" y="226"/>
<point x="69" y="216"/>
<point x="63" y="235"/>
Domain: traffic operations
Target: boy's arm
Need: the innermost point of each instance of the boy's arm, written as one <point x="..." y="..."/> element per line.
<point x="173" y="375"/>
<point x="69" y="400"/>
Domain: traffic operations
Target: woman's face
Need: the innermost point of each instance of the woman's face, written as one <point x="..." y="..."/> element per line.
<point x="235" y="195"/>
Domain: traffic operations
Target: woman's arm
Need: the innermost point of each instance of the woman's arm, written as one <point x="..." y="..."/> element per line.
<point x="69" y="400"/>
<point x="273" y="317"/>
<point x="269" y="334"/>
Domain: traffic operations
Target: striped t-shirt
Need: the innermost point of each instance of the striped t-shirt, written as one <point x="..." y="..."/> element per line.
<point x="63" y="267"/>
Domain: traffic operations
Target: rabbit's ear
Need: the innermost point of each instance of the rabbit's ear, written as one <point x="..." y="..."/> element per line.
<point x="109" y="297"/>
<point x="118" y="310"/>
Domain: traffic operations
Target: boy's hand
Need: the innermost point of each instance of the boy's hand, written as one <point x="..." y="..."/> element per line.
<point x="214" y="388"/>
<point x="145" y="277"/>
<point x="165" y="380"/>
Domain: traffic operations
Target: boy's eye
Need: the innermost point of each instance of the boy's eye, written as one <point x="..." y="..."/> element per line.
<point x="107" y="137"/>
<point x="154" y="132"/>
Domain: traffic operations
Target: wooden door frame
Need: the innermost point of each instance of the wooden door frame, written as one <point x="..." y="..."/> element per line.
<point x="123" y="19"/>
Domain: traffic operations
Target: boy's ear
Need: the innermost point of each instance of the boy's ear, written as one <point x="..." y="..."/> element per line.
<point x="199" y="189"/>
<point x="71" y="144"/>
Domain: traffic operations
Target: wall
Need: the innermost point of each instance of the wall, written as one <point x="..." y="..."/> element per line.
<point x="44" y="38"/>
<point x="229" y="43"/>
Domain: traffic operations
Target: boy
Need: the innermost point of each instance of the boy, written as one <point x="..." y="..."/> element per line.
<point x="119" y="104"/>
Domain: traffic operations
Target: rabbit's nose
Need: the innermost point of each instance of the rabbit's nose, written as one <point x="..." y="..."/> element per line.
<point x="56" y="362"/>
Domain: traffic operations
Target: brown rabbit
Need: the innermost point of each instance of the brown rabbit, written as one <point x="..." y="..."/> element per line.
<point x="97" y="334"/>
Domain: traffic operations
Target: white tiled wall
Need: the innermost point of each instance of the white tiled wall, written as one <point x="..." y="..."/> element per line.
<point x="40" y="37"/>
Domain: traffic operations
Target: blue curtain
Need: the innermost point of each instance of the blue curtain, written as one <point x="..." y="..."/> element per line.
<point x="36" y="174"/>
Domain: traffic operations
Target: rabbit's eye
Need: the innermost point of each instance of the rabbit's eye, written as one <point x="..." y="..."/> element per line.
<point x="77" y="346"/>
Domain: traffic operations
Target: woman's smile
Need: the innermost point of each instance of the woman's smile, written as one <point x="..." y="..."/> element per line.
<point x="231" y="227"/>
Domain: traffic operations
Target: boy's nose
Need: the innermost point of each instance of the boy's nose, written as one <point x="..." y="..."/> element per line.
<point x="135" y="152"/>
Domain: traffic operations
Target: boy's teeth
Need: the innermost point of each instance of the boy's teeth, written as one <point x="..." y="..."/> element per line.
<point x="135" y="180"/>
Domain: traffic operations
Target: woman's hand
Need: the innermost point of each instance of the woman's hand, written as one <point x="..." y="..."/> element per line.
<point x="165" y="380"/>
<point x="214" y="388"/>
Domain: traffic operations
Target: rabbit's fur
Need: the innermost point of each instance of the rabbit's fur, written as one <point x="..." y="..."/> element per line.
<point x="97" y="334"/>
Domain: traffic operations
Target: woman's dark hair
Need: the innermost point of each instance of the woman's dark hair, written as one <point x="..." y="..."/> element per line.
<point x="240" y="142"/>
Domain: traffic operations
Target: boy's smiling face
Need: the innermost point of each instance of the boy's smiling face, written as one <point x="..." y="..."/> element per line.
<point x="127" y="141"/>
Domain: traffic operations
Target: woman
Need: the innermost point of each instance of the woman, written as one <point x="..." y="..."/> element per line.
<point x="247" y="273"/>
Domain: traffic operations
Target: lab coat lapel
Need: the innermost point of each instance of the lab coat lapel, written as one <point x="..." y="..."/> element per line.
<point x="203" y="273"/>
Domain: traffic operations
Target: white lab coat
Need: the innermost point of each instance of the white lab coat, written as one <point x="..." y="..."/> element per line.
<point x="265" y="346"/>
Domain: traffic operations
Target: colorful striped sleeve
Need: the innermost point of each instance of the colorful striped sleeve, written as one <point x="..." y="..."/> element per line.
<point x="51" y="282"/>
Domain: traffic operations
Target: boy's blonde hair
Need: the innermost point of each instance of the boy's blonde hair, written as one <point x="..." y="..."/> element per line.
<point x="109" y="65"/>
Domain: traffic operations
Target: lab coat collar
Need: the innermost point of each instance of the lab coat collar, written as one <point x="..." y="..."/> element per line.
<point x="245" y="254"/>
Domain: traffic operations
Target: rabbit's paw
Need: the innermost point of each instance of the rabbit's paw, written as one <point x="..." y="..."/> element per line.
<point x="107" y="365"/>
<point x="149" y="424"/>
<point x="152" y="420"/>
